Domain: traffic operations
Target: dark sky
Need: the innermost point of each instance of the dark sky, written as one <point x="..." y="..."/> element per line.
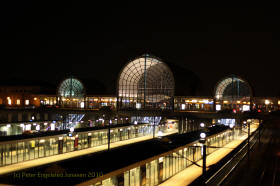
<point x="50" y="41"/>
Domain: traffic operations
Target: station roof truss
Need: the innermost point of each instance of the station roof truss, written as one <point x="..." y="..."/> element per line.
<point x="146" y="80"/>
<point x="71" y="88"/>
<point x="233" y="87"/>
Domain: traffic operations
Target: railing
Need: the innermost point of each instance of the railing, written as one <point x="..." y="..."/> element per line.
<point x="222" y="173"/>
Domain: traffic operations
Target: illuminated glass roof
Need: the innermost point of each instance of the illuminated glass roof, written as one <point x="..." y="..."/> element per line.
<point x="146" y="79"/>
<point x="71" y="88"/>
<point x="233" y="87"/>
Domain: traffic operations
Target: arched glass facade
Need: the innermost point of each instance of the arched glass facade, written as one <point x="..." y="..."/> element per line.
<point x="233" y="92"/>
<point x="146" y="83"/>
<point x="71" y="92"/>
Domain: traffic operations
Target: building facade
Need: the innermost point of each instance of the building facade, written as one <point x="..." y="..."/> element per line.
<point x="143" y="83"/>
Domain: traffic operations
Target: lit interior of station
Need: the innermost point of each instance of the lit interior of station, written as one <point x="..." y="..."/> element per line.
<point x="233" y="93"/>
<point x="146" y="83"/>
<point x="71" y="93"/>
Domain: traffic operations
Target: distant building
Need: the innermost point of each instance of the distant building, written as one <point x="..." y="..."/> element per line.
<point x="143" y="83"/>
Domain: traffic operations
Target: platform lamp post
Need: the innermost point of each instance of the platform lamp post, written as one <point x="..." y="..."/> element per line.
<point x="202" y="141"/>
<point x="202" y="125"/>
<point x="248" y="140"/>
<point x="242" y="126"/>
<point x="231" y="126"/>
<point x="109" y="134"/>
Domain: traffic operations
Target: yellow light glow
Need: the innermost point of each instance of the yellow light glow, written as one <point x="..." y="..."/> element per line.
<point x="194" y="101"/>
<point x="267" y="102"/>
<point x="278" y="102"/>
<point x="225" y="101"/>
<point x="18" y="101"/>
<point x="35" y="98"/>
<point x="238" y="102"/>
<point x="27" y="102"/>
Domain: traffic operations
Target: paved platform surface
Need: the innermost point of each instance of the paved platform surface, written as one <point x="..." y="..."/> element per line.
<point x="191" y="173"/>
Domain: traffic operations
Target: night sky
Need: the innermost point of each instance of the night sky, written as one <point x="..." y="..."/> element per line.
<point x="50" y="41"/>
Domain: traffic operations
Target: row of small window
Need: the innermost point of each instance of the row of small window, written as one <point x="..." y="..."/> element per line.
<point x="159" y="170"/>
<point x="17" y="102"/>
<point x="32" y="149"/>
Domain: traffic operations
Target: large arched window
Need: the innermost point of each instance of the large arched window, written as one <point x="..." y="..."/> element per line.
<point x="71" y="92"/>
<point x="233" y="92"/>
<point x="146" y="82"/>
<point x="233" y="87"/>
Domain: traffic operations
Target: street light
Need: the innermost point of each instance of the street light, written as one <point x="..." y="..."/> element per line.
<point x="71" y="129"/>
<point x="202" y="141"/>
<point x="202" y="125"/>
<point x="202" y="136"/>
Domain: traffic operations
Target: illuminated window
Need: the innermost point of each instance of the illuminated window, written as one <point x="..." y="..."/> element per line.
<point x="52" y="126"/>
<point x="148" y="81"/>
<point x="138" y="105"/>
<point x="103" y="104"/>
<point x="218" y="107"/>
<point x="82" y="105"/>
<point x="71" y="91"/>
<point x="27" y="102"/>
<point x="71" y="88"/>
<point x="28" y="127"/>
<point x="18" y="101"/>
<point x="9" y="101"/>
<point x="232" y="88"/>
<point x="183" y="106"/>
<point x="246" y="107"/>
